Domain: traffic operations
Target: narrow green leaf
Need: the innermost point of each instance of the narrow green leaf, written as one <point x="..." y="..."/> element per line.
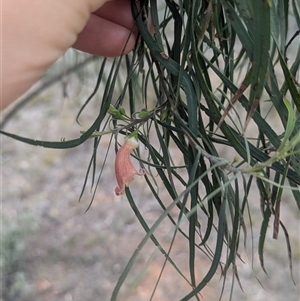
<point x="217" y="255"/>
<point x="264" y="226"/>
<point x="290" y="125"/>
<point x="290" y="83"/>
<point x="237" y="24"/>
<point x="261" y="40"/>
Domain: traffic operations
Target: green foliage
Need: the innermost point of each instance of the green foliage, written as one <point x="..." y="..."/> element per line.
<point x="182" y="84"/>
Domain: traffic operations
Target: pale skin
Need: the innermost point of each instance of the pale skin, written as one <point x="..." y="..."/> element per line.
<point x="36" y="33"/>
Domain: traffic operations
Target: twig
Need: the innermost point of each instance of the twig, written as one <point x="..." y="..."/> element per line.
<point x="289" y="43"/>
<point x="213" y="159"/>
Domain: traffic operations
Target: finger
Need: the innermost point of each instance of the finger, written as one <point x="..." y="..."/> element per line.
<point x="105" y="38"/>
<point x="118" y="12"/>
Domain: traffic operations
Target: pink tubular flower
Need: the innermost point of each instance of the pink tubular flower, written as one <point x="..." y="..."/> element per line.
<point x="124" y="169"/>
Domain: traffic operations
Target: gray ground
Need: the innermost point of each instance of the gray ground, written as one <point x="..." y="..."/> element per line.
<point x="52" y="250"/>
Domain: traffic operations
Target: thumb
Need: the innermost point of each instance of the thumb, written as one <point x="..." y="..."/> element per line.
<point x="34" y="35"/>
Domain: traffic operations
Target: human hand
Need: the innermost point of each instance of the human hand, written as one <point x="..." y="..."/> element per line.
<point x="36" y="33"/>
